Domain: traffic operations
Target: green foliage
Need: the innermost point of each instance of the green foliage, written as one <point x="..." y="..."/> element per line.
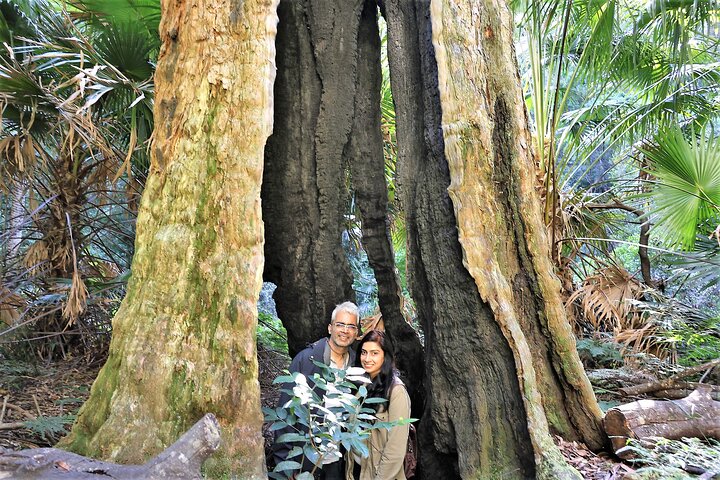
<point x="50" y="429"/>
<point x="667" y="459"/>
<point x="597" y="353"/>
<point x="693" y="335"/>
<point x="606" y="405"/>
<point x="687" y="192"/>
<point x="271" y="334"/>
<point x="697" y="343"/>
<point x="14" y="373"/>
<point x="323" y="414"/>
<point x="76" y="95"/>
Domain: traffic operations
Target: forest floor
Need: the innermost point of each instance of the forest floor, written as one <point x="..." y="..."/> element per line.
<point x="41" y="400"/>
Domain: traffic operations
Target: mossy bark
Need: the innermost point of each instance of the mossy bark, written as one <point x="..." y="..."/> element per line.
<point x="184" y="338"/>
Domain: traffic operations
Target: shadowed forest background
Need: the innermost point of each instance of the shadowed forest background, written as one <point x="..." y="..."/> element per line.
<point x="396" y="169"/>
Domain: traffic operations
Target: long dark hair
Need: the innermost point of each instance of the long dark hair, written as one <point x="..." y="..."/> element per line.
<point x="383" y="382"/>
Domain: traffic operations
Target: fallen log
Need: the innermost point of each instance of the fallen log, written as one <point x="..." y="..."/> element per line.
<point x="696" y="415"/>
<point x="681" y="391"/>
<point x="670" y="382"/>
<point x="617" y="378"/>
<point x="181" y="460"/>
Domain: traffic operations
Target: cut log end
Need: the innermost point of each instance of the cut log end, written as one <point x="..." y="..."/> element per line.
<point x="696" y="415"/>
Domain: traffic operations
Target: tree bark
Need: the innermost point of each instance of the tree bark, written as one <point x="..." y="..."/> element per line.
<point x="304" y="184"/>
<point x="458" y="435"/>
<point x="182" y="460"/>
<point x="184" y="337"/>
<point x="502" y="369"/>
<point x="14" y="225"/>
<point x="327" y="117"/>
<point x="367" y="164"/>
<point x="696" y="415"/>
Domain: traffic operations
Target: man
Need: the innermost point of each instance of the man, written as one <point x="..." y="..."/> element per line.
<point x="333" y="351"/>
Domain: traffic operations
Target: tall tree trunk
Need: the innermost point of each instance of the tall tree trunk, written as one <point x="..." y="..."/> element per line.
<point x="184" y="338"/>
<point x="502" y="370"/>
<point x="15" y="224"/>
<point x="303" y="191"/>
<point x="59" y="222"/>
<point x="365" y="154"/>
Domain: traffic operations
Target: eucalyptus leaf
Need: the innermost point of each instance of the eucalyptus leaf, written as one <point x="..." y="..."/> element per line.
<point x="287" y="465"/>
<point x="291" y="437"/>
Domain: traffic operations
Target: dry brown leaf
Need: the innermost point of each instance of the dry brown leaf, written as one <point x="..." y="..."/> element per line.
<point x="10" y="305"/>
<point x="77" y="299"/>
<point x="605" y="299"/>
<point x="374" y="322"/>
<point x="36" y="257"/>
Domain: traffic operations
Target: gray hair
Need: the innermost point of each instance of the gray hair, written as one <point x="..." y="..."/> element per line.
<point x="348" y="307"/>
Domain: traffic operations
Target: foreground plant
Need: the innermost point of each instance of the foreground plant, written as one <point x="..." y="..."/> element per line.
<point x="325" y="414"/>
<point x="664" y="458"/>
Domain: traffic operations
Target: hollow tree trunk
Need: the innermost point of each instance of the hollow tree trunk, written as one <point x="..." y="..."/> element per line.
<point x="184" y="338"/>
<point x="327" y="110"/>
<point x="367" y="163"/>
<point x="502" y="370"/>
<point x="303" y="199"/>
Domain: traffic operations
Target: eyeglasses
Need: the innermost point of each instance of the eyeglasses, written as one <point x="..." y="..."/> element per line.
<point x="343" y="326"/>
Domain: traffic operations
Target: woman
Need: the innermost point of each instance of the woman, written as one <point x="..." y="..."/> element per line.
<point x="387" y="447"/>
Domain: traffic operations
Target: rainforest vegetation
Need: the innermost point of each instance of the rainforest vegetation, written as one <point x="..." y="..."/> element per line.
<point x="525" y="194"/>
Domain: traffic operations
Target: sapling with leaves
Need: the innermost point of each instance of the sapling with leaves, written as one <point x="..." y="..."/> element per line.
<point x="326" y="415"/>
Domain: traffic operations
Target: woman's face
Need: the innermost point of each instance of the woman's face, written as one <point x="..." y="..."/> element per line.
<point x="372" y="358"/>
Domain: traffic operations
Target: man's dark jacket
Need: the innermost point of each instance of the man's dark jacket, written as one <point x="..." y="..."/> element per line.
<point x="303" y="363"/>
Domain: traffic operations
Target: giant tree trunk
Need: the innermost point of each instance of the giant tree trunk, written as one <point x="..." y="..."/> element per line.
<point x="327" y="111"/>
<point x="502" y="370"/>
<point x="367" y="164"/>
<point x="303" y="190"/>
<point x="184" y="338"/>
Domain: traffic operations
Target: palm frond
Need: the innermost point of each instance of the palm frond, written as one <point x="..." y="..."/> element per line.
<point x="145" y="13"/>
<point x="687" y="190"/>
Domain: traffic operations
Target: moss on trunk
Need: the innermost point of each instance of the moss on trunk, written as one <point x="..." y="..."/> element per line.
<point x="184" y="338"/>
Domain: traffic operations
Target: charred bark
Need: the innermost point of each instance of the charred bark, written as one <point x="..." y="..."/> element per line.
<point x="365" y="154"/>
<point x="473" y="408"/>
<point x="304" y="183"/>
<point x="327" y="111"/>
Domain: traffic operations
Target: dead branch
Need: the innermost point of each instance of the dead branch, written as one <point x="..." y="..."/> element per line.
<point x="182" y="460"/>
<point x="670" y="382"/>
<point x="11" y="425"/>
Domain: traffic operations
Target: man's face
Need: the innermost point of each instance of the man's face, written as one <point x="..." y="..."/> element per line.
<point x="343" y="330"/>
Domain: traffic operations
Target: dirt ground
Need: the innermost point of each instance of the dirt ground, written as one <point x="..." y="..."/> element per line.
<point x="49" y="395"/>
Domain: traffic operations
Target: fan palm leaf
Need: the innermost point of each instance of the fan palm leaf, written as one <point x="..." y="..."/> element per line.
<point x="687" y="190"/>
